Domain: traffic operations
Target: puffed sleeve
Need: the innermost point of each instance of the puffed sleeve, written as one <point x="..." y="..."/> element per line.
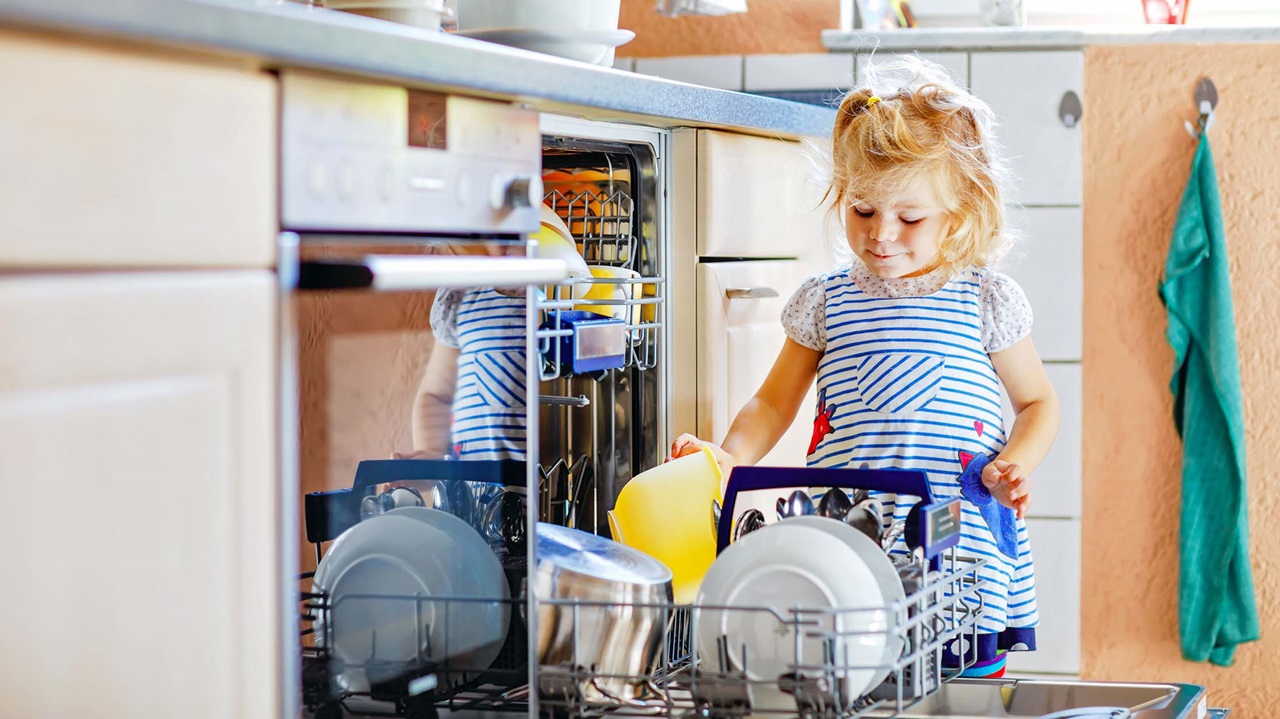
<point x="1006" y="314"/>
<point x="805" y="317"/>
<point x="444" y="316"/>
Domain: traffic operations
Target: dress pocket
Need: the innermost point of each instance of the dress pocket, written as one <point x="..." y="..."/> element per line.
<point x="900" y="382"/>
<point x="499" y="377"/>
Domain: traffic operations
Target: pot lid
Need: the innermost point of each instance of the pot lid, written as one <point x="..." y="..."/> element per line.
<point x="593" y="556"/>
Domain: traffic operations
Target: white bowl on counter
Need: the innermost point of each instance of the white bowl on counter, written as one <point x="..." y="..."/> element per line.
<point x="556" y="16"/>
<point x="427" y="14"/>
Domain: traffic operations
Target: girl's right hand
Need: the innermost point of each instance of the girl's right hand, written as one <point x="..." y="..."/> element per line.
<point x="687" y="444"/>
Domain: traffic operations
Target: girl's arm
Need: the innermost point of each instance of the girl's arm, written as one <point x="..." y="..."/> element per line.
<point x="433" y="405"/>
<point x="1035" y="405"/>
<point x="765" y="417"/>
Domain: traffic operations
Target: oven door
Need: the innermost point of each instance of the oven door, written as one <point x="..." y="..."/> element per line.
<point x="409" y="361"/>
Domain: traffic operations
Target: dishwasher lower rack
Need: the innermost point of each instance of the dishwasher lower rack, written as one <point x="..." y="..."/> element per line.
<point x="682" y="682"/>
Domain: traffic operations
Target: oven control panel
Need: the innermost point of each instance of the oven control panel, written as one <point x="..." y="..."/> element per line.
<point x="376" y="158"/>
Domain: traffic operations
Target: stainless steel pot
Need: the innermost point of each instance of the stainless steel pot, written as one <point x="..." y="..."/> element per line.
<point x="602" y="611"/>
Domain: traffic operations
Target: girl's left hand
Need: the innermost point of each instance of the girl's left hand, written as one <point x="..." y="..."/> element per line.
<point x="1005" y="482"/>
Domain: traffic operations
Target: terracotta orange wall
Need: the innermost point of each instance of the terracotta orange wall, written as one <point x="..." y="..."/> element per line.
<point x="1136" y="160"/>
<point x="771" y="26"/>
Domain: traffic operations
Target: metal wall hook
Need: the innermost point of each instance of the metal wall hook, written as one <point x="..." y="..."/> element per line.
<point x="1206" y="101"/>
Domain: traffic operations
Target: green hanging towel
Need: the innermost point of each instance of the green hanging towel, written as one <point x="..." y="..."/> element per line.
<point x="1216" y="609"/>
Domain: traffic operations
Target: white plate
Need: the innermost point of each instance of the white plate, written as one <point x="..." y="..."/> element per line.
<point x="782" y="566"/>
<point x="477" y="629"/>
<point x="583" y="46"/>
<point x="407" y="556"/>
<point x="377" y="556"/>
<point x="881" y="567"/>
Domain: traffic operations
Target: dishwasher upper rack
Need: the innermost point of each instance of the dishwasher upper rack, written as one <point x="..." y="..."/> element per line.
<point x="600" y="215"/>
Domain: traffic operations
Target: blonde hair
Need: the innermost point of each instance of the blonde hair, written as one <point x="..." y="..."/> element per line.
<point x="911" y="121"/>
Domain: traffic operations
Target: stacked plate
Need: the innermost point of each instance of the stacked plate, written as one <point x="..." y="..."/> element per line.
<point x="386" y="579"/>
<point x="824" y="572"/>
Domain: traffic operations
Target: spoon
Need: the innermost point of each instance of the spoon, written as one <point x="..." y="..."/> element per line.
<point x="715" y="517"/>
<point x="891" y="534"/>
<point x="750" y="521"/>
<point x="835" y="504"/>
<point x="797" y="505"/>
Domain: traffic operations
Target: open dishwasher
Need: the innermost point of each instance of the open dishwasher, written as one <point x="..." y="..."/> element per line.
<point x="601" y="415"/>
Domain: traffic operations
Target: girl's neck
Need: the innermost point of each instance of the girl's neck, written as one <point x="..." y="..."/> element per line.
<point x="914" y="285"/>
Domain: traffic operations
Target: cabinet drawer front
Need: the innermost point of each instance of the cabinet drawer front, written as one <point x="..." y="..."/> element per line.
<point x="1056" y="484"/>
<point x="1025" y="89"/>
<point x="757" y="198"/>
<point x="139" y="416"/>
<point x="740" y="337"/>
<point x="1049" y="265"/>
<point x="956" y="64"/>
<point x="117" y="159"/>
<point x="1055" y="544"/>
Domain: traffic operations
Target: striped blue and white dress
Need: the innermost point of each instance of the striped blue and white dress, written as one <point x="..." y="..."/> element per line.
<point x="906" y="381"/>
<point x="488" y="330"/>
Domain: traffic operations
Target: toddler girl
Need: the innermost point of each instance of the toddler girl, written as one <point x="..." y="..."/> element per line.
<point x="911" y="341"/>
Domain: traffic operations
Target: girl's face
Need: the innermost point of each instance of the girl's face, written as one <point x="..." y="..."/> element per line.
<point x="898" y="235"/>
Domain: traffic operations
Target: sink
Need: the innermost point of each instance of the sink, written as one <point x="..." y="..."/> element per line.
<point x="982" y="698"/>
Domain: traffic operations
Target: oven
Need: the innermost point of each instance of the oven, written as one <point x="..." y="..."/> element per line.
<point x="424" y="306"/>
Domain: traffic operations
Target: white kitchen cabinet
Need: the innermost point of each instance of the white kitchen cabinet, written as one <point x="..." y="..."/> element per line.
<point x="1048" y="263"/>
<point x="1026" y="89"/>
<point x="740" y="309"/>
<point x="115" y="158"/>
<point x="1055" y="544"/>
<point x="142" y="570"/>
<point x="955" y="63"/>
<point x="1056" y="483"/>
<point x="758" y="198"/>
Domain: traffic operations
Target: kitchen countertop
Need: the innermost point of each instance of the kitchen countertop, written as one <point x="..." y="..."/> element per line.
<point x="284" y="34"/>
<point x="1038" y="38"/>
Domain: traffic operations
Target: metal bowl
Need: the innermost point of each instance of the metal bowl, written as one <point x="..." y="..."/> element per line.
<point x="602" y="611"/>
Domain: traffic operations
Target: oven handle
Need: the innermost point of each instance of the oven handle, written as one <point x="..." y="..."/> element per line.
<point x="412" y="273"/>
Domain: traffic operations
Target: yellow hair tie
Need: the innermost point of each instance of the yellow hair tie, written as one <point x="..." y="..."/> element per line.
<point x="871" y="101"/>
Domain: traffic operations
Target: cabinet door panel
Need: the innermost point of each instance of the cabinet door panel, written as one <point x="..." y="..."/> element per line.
<point x="1048" y="263"/>
<point x="1055" y="544"/>
<point x="740" y="340"/>
<point x="165" y="162"/>
<point x="758" y="198"/>
<point x="139" y="418"/>
<point x="1025" y="89"/>
<point x="955" y="63"/>
<point x="1056" y="483"/>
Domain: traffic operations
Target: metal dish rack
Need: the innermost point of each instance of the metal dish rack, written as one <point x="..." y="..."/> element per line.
<point x="601" y="216"/>
<point x="943" y="609"/>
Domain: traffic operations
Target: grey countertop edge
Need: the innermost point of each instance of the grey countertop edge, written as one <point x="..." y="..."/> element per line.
<point x="985" y="38"/>
<point x="294" y="36"/>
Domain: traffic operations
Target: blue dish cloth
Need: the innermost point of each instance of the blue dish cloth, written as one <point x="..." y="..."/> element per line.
<point x="1001" y="520"/>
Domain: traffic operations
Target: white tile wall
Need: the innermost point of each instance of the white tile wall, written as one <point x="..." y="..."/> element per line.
<point x="955" y="63"/>
<point x="798" y="71"/>
<point x="718" y="71"/>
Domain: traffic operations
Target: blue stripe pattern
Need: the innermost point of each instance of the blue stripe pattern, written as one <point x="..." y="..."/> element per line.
<point x="489" y="403"/>
<point x="912" y="387"/>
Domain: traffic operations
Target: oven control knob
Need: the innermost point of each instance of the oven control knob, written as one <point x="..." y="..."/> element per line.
<point x="518" y="192"/>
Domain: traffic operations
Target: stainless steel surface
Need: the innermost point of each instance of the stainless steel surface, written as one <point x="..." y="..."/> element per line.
<point x="985" y="698"/>
<point x="834" y="504"/>
<point x="1036" y="38"/>
<point x="368" y="157"/>
<point x="748" y="522"/>
<point x="290" y="35"/>
<point x="618" y="220"/>
<point x="603" y="606"/>
<point x="798" y="504"/>
<point x="750" y="293"/>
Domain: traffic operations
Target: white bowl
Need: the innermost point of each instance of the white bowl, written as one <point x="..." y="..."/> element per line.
<point x="552" y="15"/>
<point x="428" y="14"/>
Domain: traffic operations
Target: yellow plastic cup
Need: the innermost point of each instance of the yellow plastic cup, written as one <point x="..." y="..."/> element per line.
<point x="666" y="513"/>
